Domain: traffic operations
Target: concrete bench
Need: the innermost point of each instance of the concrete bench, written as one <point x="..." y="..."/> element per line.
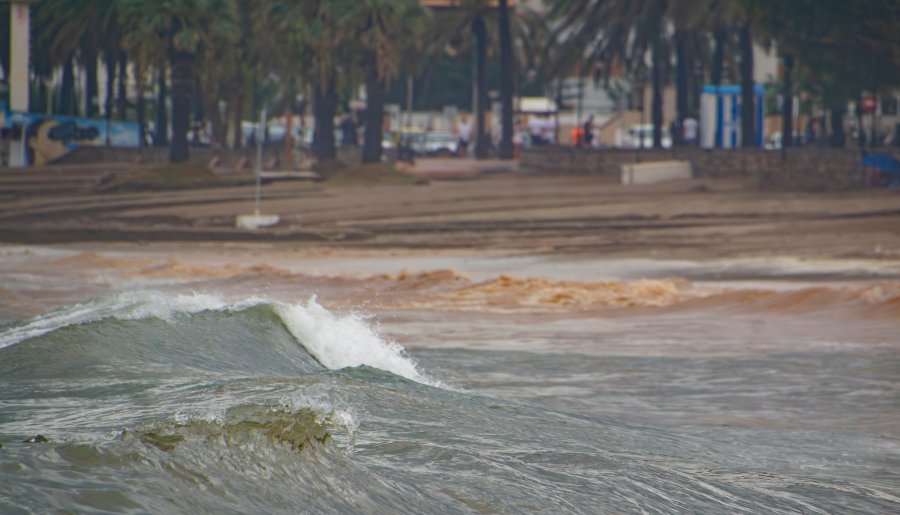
<point x="655" y="171"/>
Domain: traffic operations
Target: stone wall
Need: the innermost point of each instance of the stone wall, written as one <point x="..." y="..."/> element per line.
<point x="221" y="157"/>
<point x="803" y="168"/>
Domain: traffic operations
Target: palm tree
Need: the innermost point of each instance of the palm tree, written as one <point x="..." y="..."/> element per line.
<point x="57" y="41"/>
<point x="326" y="42"/>
<point x="276" y="40"/>
<point x="615" y="32"/>
<point x="454" y="25"/>
<point x="175" y="25"/>
<point x="703" y="26"/>
<point x="323" y="38"/>
<point x="379" y="26"/>
<point x="218" y="59"/>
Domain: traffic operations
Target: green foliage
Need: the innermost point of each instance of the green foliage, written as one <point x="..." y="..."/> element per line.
<point x="843" y="47"/>
<point x="272" y="50"/>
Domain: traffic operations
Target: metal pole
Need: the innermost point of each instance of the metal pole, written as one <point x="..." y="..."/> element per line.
<point x="409" y="100"/>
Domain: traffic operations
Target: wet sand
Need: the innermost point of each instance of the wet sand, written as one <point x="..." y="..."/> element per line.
<point x="510" y="213"/>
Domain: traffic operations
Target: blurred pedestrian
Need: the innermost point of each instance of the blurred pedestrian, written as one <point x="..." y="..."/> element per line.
<point x="463" y="134"/>
<point x="587" y="133"/>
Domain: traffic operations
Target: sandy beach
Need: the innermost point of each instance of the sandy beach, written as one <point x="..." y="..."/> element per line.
<point x="481" y="209"/>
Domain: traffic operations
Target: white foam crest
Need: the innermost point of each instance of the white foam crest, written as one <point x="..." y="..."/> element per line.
<point x="166" y="306"/>
<point x="343" y="341"/>
<point x="132" y="305"/>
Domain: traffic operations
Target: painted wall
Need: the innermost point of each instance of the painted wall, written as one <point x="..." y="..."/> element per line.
<point x="48" y="137"/>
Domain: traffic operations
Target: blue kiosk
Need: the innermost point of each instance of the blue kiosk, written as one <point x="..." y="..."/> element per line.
<point x="720" y="115"/>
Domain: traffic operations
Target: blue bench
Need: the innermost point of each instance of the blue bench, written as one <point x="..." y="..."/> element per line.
<point x="887" y="169"/>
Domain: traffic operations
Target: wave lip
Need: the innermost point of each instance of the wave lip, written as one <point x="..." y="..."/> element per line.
<point x="122" y="306"/>
<point x="335" y="341"/>
<point x="345" y="341"/>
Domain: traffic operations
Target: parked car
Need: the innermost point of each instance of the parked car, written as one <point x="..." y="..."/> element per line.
<point x="422" y="142"/>
<point x="641" y="136"/>
<point x="440" y="143"/>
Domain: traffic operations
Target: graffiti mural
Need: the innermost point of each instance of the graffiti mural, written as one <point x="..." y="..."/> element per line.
<point x="50" y="137"/>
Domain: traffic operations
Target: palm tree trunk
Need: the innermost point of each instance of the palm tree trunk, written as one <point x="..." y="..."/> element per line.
<point x="375" y="93"/>
<point x="787" y="105"/>
<point x="325" y="108"/>
<point x="110" y="86"/>
<point x="161" y="136"/>
<point x="718" y="65"/>
<point x="656" y="109"/>
<point x="838" y="138"/>
<point x="506" y="150"/>
<point x="91" y="88"/>
<point x="139" y="103"/>
<point x="41" y="103"/>
<point x="748" y="110"/>
<point x="122" y="99"/>
<point x="67" y="90"/>
<point x="718" y="60"/>
<point x="288" y="151"/>
<point x="681" y="85"/>
<point x="182" y="66"/>
<point x="238" y="114"/>
<point x="480" y="30"/>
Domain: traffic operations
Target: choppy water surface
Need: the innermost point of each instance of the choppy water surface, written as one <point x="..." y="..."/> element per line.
<point x="169" y="387"/>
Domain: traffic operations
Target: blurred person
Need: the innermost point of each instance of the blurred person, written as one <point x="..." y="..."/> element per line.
<point x="464" y="134"/>
<point x="588" y="132"/>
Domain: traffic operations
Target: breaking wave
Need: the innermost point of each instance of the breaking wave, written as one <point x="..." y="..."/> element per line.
<point x="336" y="341"/>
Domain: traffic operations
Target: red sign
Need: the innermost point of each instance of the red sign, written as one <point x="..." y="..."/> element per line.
<point x="869" y="103"/>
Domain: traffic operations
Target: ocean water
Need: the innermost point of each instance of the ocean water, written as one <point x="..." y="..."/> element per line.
<point x="269" y="382"/>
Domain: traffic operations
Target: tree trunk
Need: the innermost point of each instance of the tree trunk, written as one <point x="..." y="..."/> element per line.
<point x="838" y="138"/>
<point x="748" y="109"/>
<point x="139" y="103"/>
<point x="375" y="93"/>
<point x="480" y="31"/>
<point x="110" y="86"/>
<point x="506" y="150"/>
<point x="288" y="151"/>
<point x="787" y="103"/>
<point x="161" y="135"/>
<point x="324" y="109"/>
<point x="238" y="113"/>
<point x="656" y="108"/>
<point x="718" y="62"/>
<point x="90" y="84"/>
<point x="41" y="105"/>
<point x="67" y="90"/>
<point x="182" y="67"/>
<point x="682" y="91"/>
<point x="122" y="99"/>
<point x="718" y="65"/>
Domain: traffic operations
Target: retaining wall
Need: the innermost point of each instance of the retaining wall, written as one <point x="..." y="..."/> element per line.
<point x="806" y="168"/>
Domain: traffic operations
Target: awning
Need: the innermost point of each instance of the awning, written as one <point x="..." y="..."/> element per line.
<point x="536" y="105"/>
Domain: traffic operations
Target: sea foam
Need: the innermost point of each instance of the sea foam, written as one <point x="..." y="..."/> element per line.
<point x="343" y="341"/>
